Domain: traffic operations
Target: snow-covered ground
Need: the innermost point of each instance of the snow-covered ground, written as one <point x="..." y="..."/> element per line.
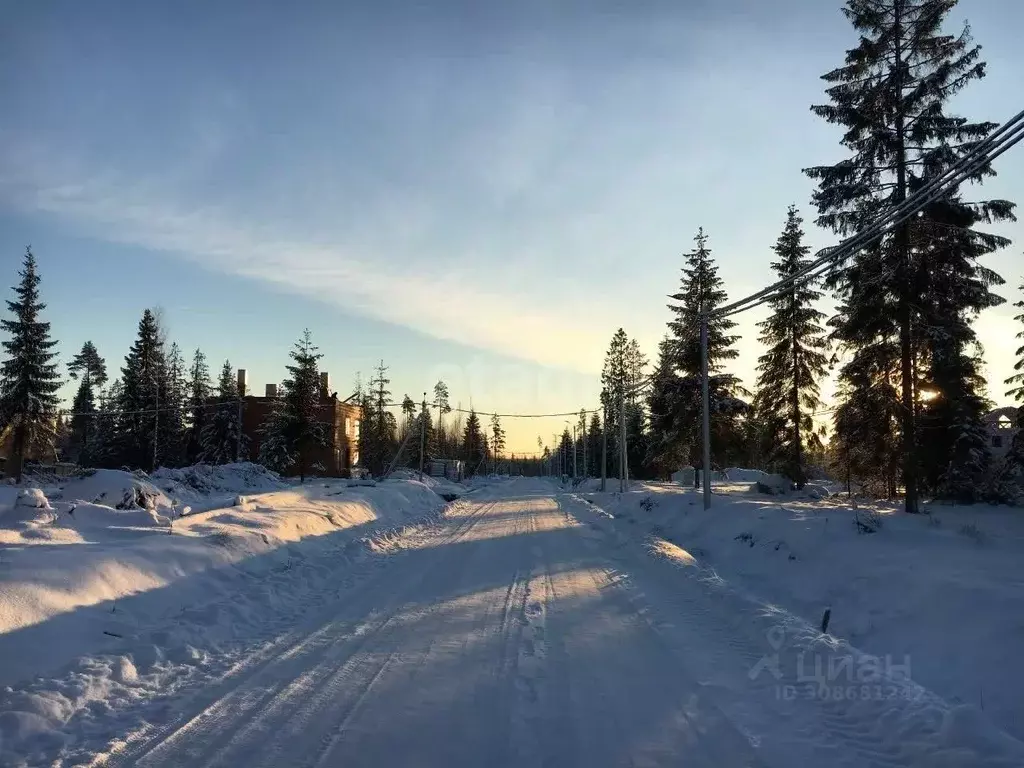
<point x="121" y="593"/>
<point x="526" y="625"/>
<point x="944" y="590"/>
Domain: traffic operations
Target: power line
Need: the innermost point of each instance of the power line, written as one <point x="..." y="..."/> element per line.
<point x="527" y="415"/>
<point x="987" y="150"/>
<point x="232" y="403"/>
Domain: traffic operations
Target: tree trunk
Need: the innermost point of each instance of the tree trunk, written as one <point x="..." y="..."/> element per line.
<point x="16" y="461"/>
<point x="604" y="447"/>
<point x="798" y="473"/>
<point x="903" y="258"/>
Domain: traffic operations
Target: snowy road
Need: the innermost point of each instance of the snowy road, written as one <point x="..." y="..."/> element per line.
<point x="523" y="630"/>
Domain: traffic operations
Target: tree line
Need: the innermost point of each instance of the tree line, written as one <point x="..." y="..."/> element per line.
<point x="911" y="399"/>
<point x="161" y="410"/>
<point x="426" y="430"/>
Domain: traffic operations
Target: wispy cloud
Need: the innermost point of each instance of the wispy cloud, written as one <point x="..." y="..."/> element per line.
<point x="338" y="271"/>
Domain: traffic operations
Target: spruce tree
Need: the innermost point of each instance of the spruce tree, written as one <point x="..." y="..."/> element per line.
<point x="221" y="431"/>
<point x="408" y="408"/>
<point x="295" y="429"/>
<point x="443" y="405"/>
<point x="1016" y="381"/>
<point x="594" y="436"/>
<point x="424" y="439"/>
<point x="615" y="376"/>
<point x="497" y="440"/>
<point x="380" y="440"/>
<point x="473" y="449"/>
<point x="1008" y="484"/>
<point x="139" y="398"/>
<point x="636" y="364"/>
<point x="908" y="300"/>
<point x="28" y="373"/>
<point x="582" y="440"/>
<point x="666" y="448"/>
<point x="103" y="448"/>
<point x="702" y="291"/>
<point x="791" y="368"/>
<point x="92" y="369"/>
<point x="679" y="389"/>
<point x="199" y="394"/>
<point x="620" y="380"/>
<point x="173" y="404"/>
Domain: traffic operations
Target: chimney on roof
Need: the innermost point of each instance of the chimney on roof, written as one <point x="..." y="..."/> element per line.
<point x="271" y="390"/>
<point x="325" y="383"/>
<point x="243" y="380"/>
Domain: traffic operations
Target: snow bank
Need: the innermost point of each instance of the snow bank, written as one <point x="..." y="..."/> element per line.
<point x="101" y="606"/>
<point x="66" y="573"/>
<point x="204" y="480"/>
<point x="439" y="485"/>
<point x="28" y="507"/>
<point x="116" y="489"/>
<point x="941" y="589"/>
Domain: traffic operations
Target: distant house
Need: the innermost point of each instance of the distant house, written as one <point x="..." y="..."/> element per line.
<point x="340" y="454"/>
<point x="1002" y="427"/>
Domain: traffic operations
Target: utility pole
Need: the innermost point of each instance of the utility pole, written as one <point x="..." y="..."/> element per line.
<point x="604" y="443"/>
<point x="706" y="397"/>
<point x="586" y="467"/>
<point x="575" y="472"/>
<point x="423" y="433"/>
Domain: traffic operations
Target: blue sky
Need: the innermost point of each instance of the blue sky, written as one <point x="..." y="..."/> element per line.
<point x="478" y="191"/>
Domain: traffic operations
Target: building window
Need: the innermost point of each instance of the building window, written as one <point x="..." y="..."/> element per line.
<point x="355" y="458"/>
<point x="997" y="441"/>
<point x="355" y="428"/>
<point x="348" y="426"/>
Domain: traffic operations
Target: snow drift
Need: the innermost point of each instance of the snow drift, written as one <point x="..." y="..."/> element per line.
<point x="111" y="535"/>
<point x="940" y="588"/>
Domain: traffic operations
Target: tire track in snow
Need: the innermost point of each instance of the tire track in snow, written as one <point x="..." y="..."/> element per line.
<point x="726" y="634"/>
<point x="238" y="693"/>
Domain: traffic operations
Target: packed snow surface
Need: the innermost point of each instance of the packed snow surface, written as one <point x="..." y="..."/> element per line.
<point x="527" y="624"/>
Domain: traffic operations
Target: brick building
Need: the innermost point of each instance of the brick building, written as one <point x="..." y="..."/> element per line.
<point x="340" y="454"/>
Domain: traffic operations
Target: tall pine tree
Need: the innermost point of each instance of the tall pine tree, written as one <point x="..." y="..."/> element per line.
<point x="173" y="404"/>
<point x="678" y="382"/>
<point x="28" y="373"/>
<point x="1009" y="481"/>
<point x="379" y="445"/>
<point x="295" y="429"/>
<point x="199" y="393"/>
<point x="497" y="440"/>
<point x="139" y="398"/>
<point x="473" y="448"/>
<point x="907" y="302"/>
<point x="103" y="449"/>
<point x="666" y="449"/>
<point x="594" y="436"/>
<point x="91" y="370"/>
<point x="790" y="370"/>
<point x="221" y="440"/>
<point x="443" y="405"/>
<point x="1016" y="381"/>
